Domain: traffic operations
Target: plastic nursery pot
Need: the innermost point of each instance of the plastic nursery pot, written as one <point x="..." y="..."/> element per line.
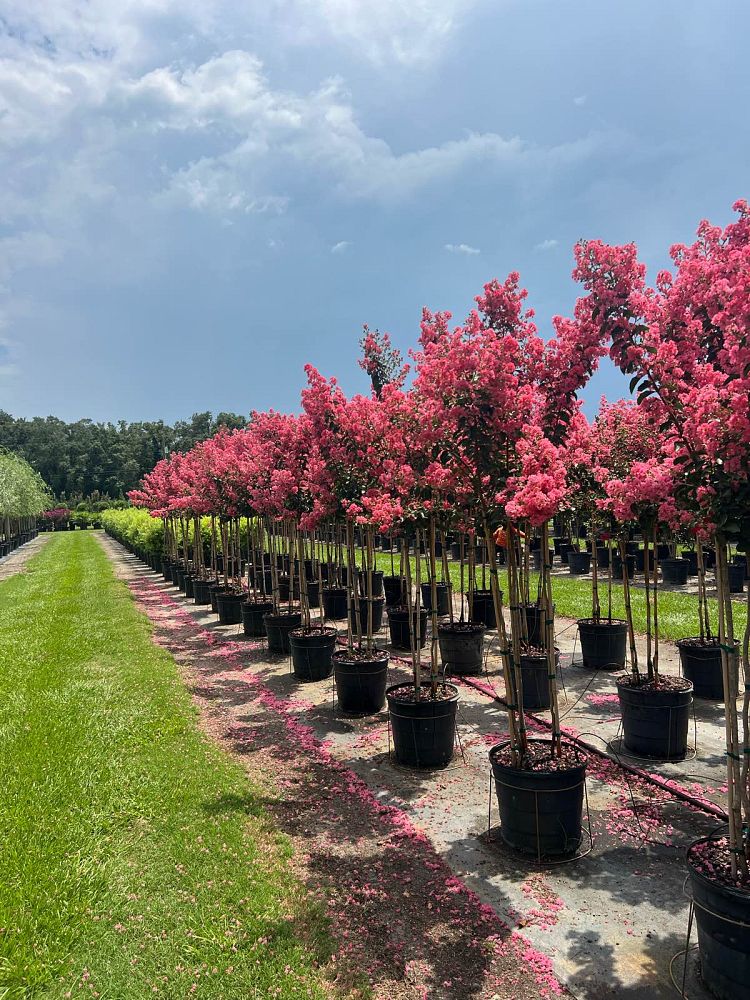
<point x="335" y="603"/>
<point x="603" y="643"/>
<point x="655" y="719"/>
<point x="483" y="608"/>
<point x="565" y="549"/>
<point x="462" y="647"/>
<point x="398" y="625"/>
<point x="395" y="591"/>
<point x="722" y="916"/>
<point x="278" y="627"/>
<point x="166" y="569"/>
<point x="534" y="623"/>
<point x="174" y="573"/>
<point x="214" y="589"/>
<point x="252" y="617"/>
<point x="675" y="571"/>
<point x="424" y="731"/>
<point x="701" y="664"/>
<point x="456" y="551"/>
<point x="284" y="587"/>
<point x="312" y="649"/>
<point x="541" y="810"/>
<point x="443" y="598"/>
<point x="229" y="605"/>
<point x="313" y="593"/>
<point x="180" y="581"/>
<point x="360" y="680"/>
<point x="617" y="566"/>
<point x="640" y="559"/>
<point x="201" y="591"/>
<point x="536" y="559"/>
<point x="692" y="560"/>
<point x="602" y="556"/>
<point x="378" y="605"/>
<point x="579" y="563"/>
<point x="377" y="583"/>
<point x="189" y="586"/>
<point x="736" y="573"/>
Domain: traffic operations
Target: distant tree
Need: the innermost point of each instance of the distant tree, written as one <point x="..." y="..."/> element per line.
<point x="84" y="458"/>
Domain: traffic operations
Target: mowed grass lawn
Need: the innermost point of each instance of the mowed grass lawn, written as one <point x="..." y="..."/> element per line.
<point x="135" y="858"/>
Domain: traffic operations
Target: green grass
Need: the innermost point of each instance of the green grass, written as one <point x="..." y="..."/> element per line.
<point x="135" y="858"/>
<point x="678" y="613"/>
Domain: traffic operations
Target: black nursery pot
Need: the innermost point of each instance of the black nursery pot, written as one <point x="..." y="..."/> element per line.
<point x="311" y="653"/>
<point x="201" y="591"/>
<point x="229" y="606"/>
<point x="617" y="566"/>
<point x="483" y="608"/>
<point x="395" y="591"/>
<point x="655" y="722"/>
<point x="360" y="683"/>
<point x="189" y="586"/>
<point x="536" y="558"/>
<point x="540" y="811"/>
<point x="166" y="569"/>
<point x="675" y="571"/>
<point x="377" y="583"/>
<point x="736" y="577"/>
<point x="424" y="731"/>
<point x="603" y="643"/>
<point x="378" y="606"/>
<point x="461" y="647"/>
<point x="213" y="590"/>
<point x="398" y="625"/>
<point x="278" y="628"/>
<point x="701" y="664"/>
<point x="443" y="598"/>
<point x="252" y="617"/>
<point x="180" y="581"/>
<point x="722" y="916"/>
<point x="579" y="563"/>
<point x="534" y="681"/>
<point x="335" y="603"/>
<point x="534" y="623"/>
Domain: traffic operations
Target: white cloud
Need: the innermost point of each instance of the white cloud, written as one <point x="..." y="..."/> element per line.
<point x="461" y="248"/>
<point x="546" y="245"/>
<point x="580" y="101"/>
<point x="341" y="247"/>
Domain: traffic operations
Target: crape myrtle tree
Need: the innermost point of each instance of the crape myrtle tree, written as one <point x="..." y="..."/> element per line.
<point x="685" y="345"/>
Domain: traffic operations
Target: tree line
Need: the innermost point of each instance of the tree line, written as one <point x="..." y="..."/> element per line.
<point x="82" y="458"/>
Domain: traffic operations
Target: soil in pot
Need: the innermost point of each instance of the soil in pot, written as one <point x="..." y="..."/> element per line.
<point x="335" y="603"/>
<point x="424" y="730"/>
<point x="361" y="679"/>
<point x="395" y="591"/>
<point x="252" y="617"/>
<point x="398" y="625"/>
<point x="312" y="649"/>
<point x="540" y="798"/>
<point x="701" y="664"/>
<point x="229" y="605"/>
<point x="483" y="608"/>
<point x="655" y="716"/>
<point x="722" y="916"/>
<point x="675" y="571"/>
<point x="378" y="606"/>
<point x="603" y="643"/>
<point x="278" y="627"/>
<point x="443" y="598"/>
<point x="462" y="647"/>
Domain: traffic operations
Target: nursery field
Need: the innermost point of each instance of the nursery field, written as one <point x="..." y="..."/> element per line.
<point x="135" y="858"/>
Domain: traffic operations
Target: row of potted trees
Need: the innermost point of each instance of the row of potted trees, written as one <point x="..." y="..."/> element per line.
<point x="488" y="442"/>
<point x="23" y="496"/>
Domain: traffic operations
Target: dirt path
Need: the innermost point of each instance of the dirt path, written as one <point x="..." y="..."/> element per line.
<point x="16" y="561"/>
<point x="402" y="920"/>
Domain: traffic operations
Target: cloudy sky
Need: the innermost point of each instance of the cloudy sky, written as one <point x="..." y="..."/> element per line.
<point x="198" y="198"/>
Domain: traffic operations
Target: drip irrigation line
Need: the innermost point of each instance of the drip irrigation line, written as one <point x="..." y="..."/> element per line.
<point x="706" y="807"/>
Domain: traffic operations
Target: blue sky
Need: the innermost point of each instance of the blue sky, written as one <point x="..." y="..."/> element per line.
<point x="198" y="199"/>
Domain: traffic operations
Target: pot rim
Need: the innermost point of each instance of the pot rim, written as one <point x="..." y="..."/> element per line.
<point x="410" y="684"/>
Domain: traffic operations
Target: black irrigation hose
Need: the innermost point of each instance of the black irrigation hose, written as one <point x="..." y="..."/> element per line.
<point x="707" y="807"/>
